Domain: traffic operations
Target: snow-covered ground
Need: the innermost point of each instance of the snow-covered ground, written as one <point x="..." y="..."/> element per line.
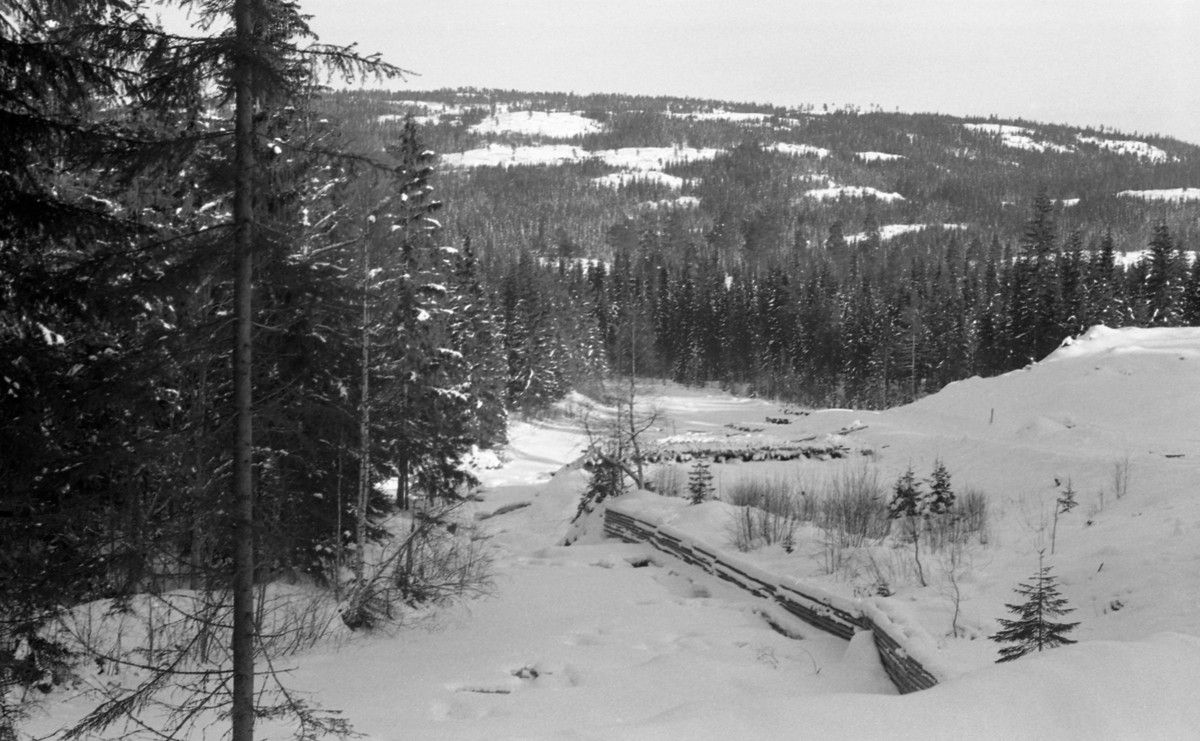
<point x="1017" y="137"/>
<point x="1167" y="194"/>
<point x="799" y="150"/>
<point x="629" y="158"/>
<point x="722" y="115"/>
<point x="851" y="191"/>
<point x="891" y="231"/>
<point x="619" y="179"/>
<point x="1128" y="146"/>
<point x="878" y="156"/>
<point x="605" y="640"/>
<point x="551" y="124"/>
<point x="684" y="202"/>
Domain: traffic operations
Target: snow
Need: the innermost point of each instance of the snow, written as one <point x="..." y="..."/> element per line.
<point x="1169" y="194"/>
<point x="684" y="202"/>
<point x="619" y="179"/>
<point x="851" y="191"/>
<point x="613" y="641"/>
<point x="504" y="155"/>
<point x="654" y="158"/>
<point x="722" y="115"/>
<point x="799" y="150"/>
<point x="878" y="156"/>
<point x="993" y="128"/>
<point x="1133" y="257"/>
<point x="1017" y="137"/>
<point x="551" y="124"/>
<point x="890" y="231"/>
<point x="629" y="158"/>
<point x="1128" y="146"/>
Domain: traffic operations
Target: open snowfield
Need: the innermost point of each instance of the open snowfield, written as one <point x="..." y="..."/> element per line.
<point x="1017" y="137"/>
<point x="1127" y="146"/>
<point x="552" y="124"/>
<point x="639" y="159"/>
<point x="604" y="640"/>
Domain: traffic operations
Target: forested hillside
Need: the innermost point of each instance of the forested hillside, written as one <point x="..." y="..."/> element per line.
<point x="828" y="257"/>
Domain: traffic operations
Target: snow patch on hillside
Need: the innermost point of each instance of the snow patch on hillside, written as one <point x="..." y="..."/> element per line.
<point x="551" y="124"/>
<point x="505" y="155"/>
<point x="629" y="158"/>
<point x="995" y="128"/>
<point x="1126" y="146"/>
<point x="666" y="204"/>
<point x="654" y="158"/>
<point x="619" y="179"/>
<point x="878" y="156"/>
<point x="1017" y="137"/>
<point x="852" y="191"/>
<point x="721" y="115"/>
<point x="1170" y="194"/>
<point x="799" y="150"/>
<point x="890" y="231"/>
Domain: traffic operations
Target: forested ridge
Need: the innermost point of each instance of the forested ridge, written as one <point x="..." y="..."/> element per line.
<point x="841" y="256"/>
<point x="169" y="203"/>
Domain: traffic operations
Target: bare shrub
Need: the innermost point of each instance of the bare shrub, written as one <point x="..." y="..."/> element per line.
<point x="772" y="494"/>
<point x="669" y="480"/>
<point x="854" y="507"/>
<point x="1120" y="477"/>
<point x="768" y="513"/>
<point x="441" y="558"/>
<point x="751" y="528"/>
<point x="967" y="517"/>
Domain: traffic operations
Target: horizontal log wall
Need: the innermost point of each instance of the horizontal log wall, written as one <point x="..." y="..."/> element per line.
<point x="839" y="616"/>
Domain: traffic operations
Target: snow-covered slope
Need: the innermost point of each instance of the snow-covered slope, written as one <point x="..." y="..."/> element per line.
<point x="604" y="640"/>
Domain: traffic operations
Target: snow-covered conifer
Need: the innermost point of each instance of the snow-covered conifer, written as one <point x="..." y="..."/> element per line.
<point x="1033" y="629"/>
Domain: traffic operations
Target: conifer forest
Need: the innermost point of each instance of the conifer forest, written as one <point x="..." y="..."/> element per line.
<point x="236" y="297"/>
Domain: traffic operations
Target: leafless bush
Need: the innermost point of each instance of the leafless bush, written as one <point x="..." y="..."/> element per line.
<point x="967" y="517"/>
<point x="669" y="480"/>
<point x="752" y="528"/>
<point x="769" y="511"/>
<point x="773" y="494"/>
<point x="853" y="508"/>
<point x="1120" y="477"/>
<point x="439" y="559"/>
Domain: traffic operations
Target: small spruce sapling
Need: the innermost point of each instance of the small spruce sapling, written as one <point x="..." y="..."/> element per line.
<point x="908" y="501"/>
<point x="1033" y="629"/>
<point x="1062" y="505"/>
<point x="608" y="481"/>
<point x="699" y="482"/>
<point x="941" y="496"/>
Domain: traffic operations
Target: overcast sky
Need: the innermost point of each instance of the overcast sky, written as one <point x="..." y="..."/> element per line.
<point x="1129" y="64"/>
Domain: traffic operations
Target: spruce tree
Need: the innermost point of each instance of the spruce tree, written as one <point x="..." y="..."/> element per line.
<point x="1033" y="630"/>
<point x="908" y="501"/>
<point x="941" y="496"/>
<point x="699" y="482"/>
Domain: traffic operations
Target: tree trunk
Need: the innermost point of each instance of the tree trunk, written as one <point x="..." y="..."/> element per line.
<point x="364" y="460"/>
<point x="242" y="638"/>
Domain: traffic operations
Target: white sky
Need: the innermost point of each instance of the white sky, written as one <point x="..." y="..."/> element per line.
<point x="1131" y="64"/>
